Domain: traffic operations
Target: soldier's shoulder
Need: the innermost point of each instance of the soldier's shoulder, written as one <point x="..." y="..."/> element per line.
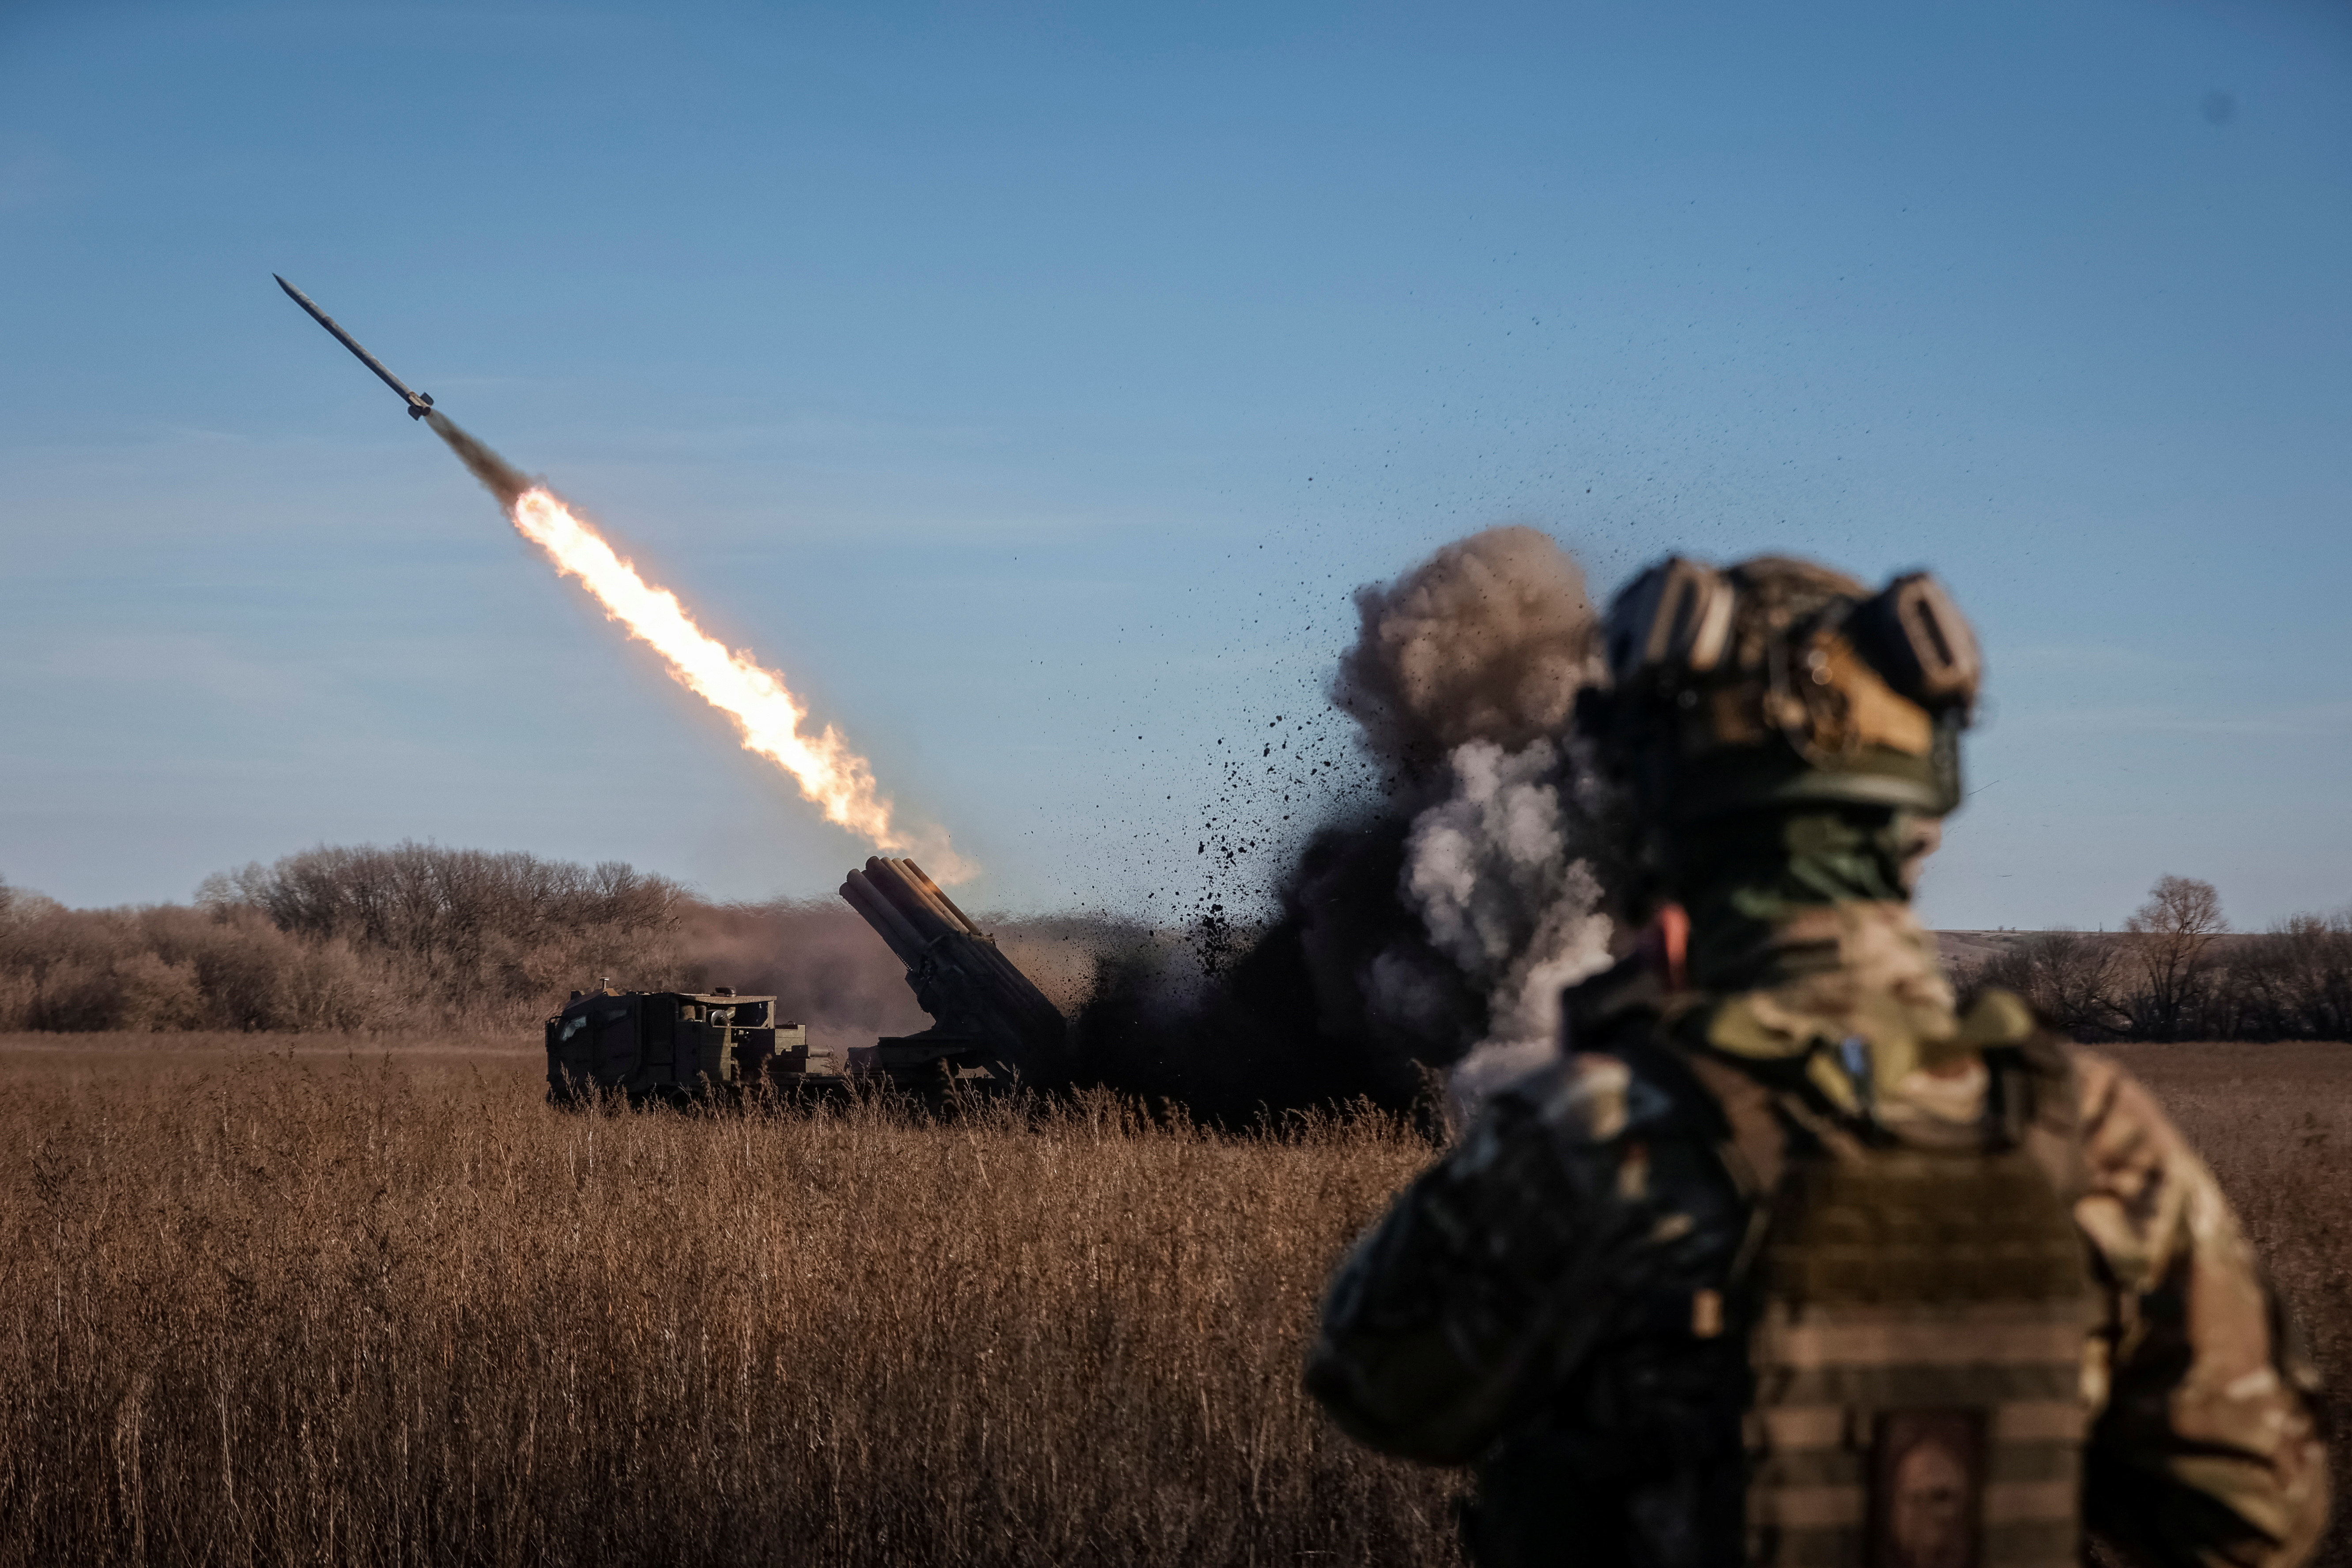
<point x="1580" y="1085"/>
<point x="2129" y="1141"/>
<point x="2124" y="1159"/>
<point x="2000" y="1021"/>
<point x="1585" y="1097"/>
<point x="1621" y="1083"/>
<point x="1624" y="1002"/>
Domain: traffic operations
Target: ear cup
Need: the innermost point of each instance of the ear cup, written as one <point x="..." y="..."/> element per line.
<point x="1919" y="640"/>
<point x="1671" y="622"/>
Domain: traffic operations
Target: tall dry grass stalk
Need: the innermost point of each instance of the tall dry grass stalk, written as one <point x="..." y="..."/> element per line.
<point x="267" y="1307"/>
<point x="386" y="1307"/>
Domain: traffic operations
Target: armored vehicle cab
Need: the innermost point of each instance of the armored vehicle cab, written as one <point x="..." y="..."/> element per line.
<point x="669" y="1045"/>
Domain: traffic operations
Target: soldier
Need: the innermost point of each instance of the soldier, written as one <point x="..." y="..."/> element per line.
<point x="1784" y="1259"/>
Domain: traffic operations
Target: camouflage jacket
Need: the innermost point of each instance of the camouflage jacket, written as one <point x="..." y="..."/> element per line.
<point x="1545" y="1303"/>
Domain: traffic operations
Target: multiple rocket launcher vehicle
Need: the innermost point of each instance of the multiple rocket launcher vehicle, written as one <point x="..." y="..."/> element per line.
<point x="991" y="1025"/>
<point x="990" y="1028"/>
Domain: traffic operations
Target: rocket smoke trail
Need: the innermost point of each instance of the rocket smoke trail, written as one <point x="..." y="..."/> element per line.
<point x="499" y="477"/>
<point x="765" y="711"/>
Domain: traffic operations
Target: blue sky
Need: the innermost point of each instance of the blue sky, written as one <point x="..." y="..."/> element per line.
<point x="1031" y="384"/>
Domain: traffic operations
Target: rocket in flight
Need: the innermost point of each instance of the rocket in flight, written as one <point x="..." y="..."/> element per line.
<point x="420" y="404"/>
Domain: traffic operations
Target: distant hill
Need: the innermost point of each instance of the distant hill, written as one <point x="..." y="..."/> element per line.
<point x="1962" y="950"/>
<point x="1968" y="948"/>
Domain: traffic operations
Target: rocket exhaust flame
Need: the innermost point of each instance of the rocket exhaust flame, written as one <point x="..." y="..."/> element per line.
<point x="766" y="713"/>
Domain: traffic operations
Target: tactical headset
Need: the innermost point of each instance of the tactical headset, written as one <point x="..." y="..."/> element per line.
<point x="1777" y="680"/>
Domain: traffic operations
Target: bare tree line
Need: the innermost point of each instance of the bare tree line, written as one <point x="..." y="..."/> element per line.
<point x="2176" y="972"/>
<point x="340" y="938"/>
<point x="415" y="935"/>
<point x="469" y="923"/>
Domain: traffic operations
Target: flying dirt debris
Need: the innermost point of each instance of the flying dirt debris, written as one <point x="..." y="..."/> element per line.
<point x="992" y="1027"/>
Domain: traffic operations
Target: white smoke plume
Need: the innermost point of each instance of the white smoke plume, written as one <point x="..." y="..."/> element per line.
<point x="1462" y="677"/>
<point x="1493" y="871"/>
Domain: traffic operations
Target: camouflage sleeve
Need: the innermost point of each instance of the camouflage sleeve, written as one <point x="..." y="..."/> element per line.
<point x="1443" y="1322"/>
<point x="2206" y="1452"/>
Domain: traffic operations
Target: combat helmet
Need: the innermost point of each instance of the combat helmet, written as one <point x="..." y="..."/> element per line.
<point x="1779" y="682"/>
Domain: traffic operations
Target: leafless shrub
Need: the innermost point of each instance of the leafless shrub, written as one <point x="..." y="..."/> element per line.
<point x="2076" y="979"/>
<point x="2292" y="982"/>
<point x="171" y="968"/>
<point x="474" y="928"/>
<point x="2196" y="980"/>
<point x="344" y="939"/>
<point x="2177" y="972"/>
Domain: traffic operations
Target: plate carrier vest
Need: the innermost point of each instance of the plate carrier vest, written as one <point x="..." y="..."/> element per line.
<point x="1917" y="1335"/>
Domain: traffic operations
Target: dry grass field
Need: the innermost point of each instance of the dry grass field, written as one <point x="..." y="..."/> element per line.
<point x="377" y="1304"/>
<point x="388" y="1307"/>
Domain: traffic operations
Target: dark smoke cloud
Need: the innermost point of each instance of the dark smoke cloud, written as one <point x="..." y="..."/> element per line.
<point x="500" y="478"/>
<point x="1434" y="928"/>
<point x="1487" y="641"/>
